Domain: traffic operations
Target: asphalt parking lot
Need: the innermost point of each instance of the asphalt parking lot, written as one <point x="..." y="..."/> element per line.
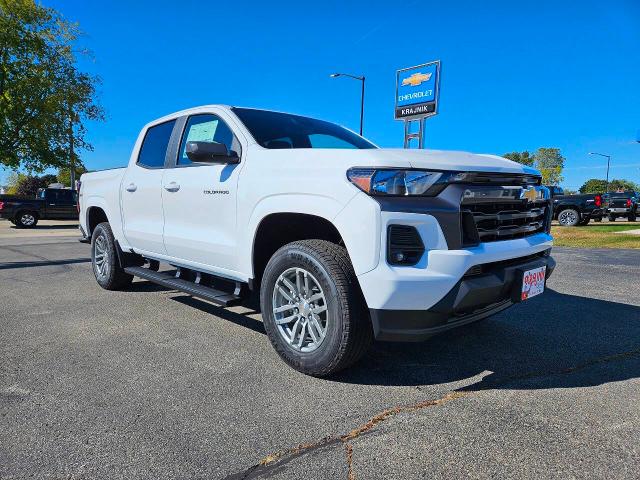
<point x="151" y="383"/>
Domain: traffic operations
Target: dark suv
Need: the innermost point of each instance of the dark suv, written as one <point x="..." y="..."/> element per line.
<point x="623" y="204"/>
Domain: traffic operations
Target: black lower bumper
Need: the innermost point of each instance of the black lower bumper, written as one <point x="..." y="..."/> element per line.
<point x="483" y="291"/>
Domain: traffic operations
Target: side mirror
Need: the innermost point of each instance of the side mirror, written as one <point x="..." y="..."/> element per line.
<point x="210" y="152"/>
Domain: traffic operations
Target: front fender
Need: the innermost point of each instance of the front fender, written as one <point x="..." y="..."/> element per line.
<point x="310" y="204"/>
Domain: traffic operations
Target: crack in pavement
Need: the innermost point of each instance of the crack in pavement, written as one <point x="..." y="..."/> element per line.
<point x="267" y="465"/>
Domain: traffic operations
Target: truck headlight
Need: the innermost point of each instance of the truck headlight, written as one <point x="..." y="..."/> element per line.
<point x="402" y="182"/>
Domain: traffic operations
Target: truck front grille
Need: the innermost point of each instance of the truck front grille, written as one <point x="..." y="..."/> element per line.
<point x="507" y="221"/>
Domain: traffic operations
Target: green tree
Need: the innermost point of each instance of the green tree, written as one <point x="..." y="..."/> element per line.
<point x="524" y="158"/>
<point x="28" y="185"/>
<point x="550" y="162"/>
<point x="41" y="88"/>
<point x="594" y="185"/>
<point x="64" y="174"/>
<point x="597" y="185"/>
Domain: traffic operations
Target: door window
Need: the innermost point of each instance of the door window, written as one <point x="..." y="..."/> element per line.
<point x="206" y="128"/>
<point x="154" y="146"/>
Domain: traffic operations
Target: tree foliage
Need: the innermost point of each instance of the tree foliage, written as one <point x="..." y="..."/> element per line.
<point x="41" y="88"/>
<point x="28" y="185"/>
<point x="549" y="161"/>
<point x="597" y="185"/>
<point x="64" y="175"/>
<point x="524" y="158"/>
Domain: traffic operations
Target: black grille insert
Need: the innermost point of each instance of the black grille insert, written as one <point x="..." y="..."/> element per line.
<point x="506" y="221"/>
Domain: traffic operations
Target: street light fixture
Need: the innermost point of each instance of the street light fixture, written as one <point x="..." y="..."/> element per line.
<point x="355" y="77"/>
<point x="608" y="157"/>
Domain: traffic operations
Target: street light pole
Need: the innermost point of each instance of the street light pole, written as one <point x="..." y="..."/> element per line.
<point x="608" y="164"/>
<point x="362" y="79"/>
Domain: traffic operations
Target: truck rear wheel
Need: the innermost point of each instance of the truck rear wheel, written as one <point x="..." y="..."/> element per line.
<point x="312" y="308"/>
<point x="26" y="219"/>
<point x="104" y="260"/>
<point x="632" y="217"/>
<point x="569" y="217"/>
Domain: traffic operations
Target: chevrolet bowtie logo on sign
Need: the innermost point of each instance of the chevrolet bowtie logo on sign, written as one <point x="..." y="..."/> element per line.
<point x="416" y="79"/>
<point x="417" y="91"/>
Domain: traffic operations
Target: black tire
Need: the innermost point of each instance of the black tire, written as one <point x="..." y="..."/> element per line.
<point x="632" y="217"/>
<point x="112" y="277"/>
<point x="597" y="219"/>
<point x="569" y="217"/>
<point x="26" y="219"/>
<point x="612" y="218"/>
<point x="348" y="330"/>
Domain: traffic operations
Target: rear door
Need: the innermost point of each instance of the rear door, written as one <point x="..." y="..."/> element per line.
<point x="143" y="219"/>
<point x="199" y="200"/>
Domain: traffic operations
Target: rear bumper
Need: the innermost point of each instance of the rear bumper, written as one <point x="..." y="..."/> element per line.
<point x="472" y="298"/>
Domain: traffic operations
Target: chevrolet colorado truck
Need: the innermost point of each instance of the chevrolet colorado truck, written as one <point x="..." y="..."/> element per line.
<point x="576" y="210"/>
<point x="623" y="204"/>
<point x="48" y="204"/>
<point x="341" y="241"/>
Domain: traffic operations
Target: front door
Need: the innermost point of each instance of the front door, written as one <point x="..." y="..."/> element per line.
<point x="199" y="200"/>
<point x="141" y="193"/>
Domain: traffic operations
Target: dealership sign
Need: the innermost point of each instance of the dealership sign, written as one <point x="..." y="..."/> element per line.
<point x="417" y="90"/>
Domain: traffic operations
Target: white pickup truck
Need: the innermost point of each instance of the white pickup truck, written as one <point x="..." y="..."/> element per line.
<point x="343" y="242"/>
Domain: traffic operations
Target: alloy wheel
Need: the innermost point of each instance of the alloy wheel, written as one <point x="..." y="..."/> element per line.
<point x="27" y="219"/>
<point x="101" y="261"/>
<point x="300" y="310"/>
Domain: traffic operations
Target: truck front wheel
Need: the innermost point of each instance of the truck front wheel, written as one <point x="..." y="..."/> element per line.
<point x="26" y="219"/>
<point x="104" y="260"/>
<point x="312" y="308"/>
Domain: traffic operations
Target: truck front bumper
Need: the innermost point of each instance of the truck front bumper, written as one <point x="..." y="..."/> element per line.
<point x="484" y="290"/>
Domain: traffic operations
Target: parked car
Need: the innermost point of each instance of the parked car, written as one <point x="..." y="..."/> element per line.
<point x="341" y="241"/>
<point x="573" y="210"/>
<point x="49" y="204"/>
<point x="623" y="204"/>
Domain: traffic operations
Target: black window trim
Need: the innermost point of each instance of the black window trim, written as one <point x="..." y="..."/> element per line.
<point x="164" y="165"/>
<point x="184" y="120"/>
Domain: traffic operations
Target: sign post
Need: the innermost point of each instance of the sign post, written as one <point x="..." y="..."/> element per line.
<point x="417" y="91"/>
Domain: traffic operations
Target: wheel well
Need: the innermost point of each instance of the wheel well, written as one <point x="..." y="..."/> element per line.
<point x="95" y="215"/>
<point x="27" y="210"/>
<point x="278" y="229"/>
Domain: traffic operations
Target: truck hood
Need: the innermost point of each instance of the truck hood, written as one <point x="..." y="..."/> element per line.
<point x="397" y="158"/>
<point x="448" y="160"/>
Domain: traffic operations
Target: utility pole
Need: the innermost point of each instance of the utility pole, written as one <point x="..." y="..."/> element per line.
<point x="72" y="160"/>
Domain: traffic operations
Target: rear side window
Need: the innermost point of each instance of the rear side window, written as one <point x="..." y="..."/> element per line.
<point x="154" y="145"/>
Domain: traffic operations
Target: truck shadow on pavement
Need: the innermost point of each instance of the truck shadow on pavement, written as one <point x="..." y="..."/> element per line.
<point x="534" y="345"/>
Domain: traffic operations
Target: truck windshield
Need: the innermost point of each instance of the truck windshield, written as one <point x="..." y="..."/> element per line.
<point x="283" y="130"/>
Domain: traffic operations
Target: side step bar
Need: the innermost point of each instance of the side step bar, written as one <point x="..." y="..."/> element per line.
<point x="167" y="279"/>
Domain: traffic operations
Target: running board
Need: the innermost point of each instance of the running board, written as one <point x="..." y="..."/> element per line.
<point x="169" y="280"/>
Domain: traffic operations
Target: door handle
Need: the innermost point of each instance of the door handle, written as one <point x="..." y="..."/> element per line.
<point x="172" y="187"/>
<point x="131" y="187"/>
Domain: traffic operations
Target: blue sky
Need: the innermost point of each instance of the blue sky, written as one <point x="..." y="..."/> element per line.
<point x="515" y="75"/>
